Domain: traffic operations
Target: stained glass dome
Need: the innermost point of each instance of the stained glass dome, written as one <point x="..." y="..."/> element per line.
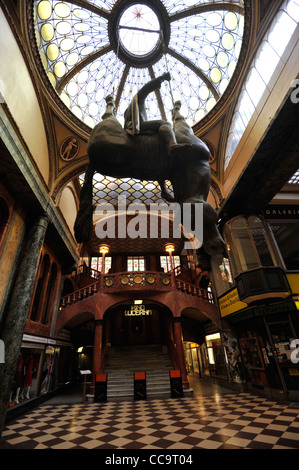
<point x="90" y="49"/>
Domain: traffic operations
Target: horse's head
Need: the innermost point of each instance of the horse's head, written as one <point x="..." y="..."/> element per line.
<point x="213" y="242"/>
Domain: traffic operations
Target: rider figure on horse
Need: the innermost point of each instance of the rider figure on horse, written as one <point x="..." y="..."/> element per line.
<point x="136" y="118"/>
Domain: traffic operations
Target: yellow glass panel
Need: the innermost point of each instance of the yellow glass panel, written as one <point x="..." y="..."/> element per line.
<point x="44" y="60"/>
<point x="222" y="59"/>
<point x="62" y="9"/>
<point x="52" y="52"/>
<point x="210" y="104"/>
<point x="65" y="98"/>
<point x="215" y="75"/>
<point x="52" y="79"/>
<point x="37" y="36"/>
<point x="231" y="21"/>
<point x="227" y="41"/>
<point x="44" y="10"/>
<point x="59" y="69"/>
<point x="47" y="32"/>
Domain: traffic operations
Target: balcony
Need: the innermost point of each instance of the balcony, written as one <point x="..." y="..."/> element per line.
<point x="127" y="282"/>
<point x="262" y="283"/>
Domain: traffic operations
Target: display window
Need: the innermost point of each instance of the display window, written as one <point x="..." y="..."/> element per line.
<point x="26" y="379"/>
<point x="216" y="357"/>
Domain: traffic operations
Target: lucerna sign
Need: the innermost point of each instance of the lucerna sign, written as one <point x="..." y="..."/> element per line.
<point x="137" y="311"/>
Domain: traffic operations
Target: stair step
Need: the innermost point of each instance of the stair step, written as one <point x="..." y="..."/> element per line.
<point x="123" y="361"/>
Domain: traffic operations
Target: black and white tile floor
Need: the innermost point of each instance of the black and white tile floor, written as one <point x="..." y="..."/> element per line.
<point x="217" y="421"/>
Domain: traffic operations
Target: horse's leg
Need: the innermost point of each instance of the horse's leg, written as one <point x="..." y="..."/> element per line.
<point x="83" y="224"/>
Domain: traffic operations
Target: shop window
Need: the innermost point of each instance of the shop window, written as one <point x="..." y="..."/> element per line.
<point x="96" y="265"/>
<point x="166" y="265"/>
<point x="216" y="356"/>
<point x="286" y="236"/>
<point x="248" y="245"/>
<point x="231" y="254"/>
<point x="135" y="263"/>
<point x="247" y="255"/>
<point x="211" y="341"/>
<point x="261" y="243"/>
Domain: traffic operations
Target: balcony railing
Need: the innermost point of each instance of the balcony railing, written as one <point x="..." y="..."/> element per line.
<point x="140" y="281"/>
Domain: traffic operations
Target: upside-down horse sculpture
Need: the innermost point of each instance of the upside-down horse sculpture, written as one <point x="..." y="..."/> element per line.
<point x="152" y="151"/>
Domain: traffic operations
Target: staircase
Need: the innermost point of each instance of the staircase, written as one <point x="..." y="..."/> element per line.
<point x="123" y="361"/>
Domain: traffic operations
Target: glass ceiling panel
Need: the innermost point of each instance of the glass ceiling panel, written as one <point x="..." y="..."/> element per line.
<point x="85" y="93"/>
<point x="176" y="6"/>
<point x="201" y="53"/>
<point x="65" y="35"/>
<point x="90" y="49"/>
<point x="108" y="190"/>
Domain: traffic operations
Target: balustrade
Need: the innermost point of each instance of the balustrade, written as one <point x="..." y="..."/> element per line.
<point x="135" y="280"/>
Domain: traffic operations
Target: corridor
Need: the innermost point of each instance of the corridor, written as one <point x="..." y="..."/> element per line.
<point x="214" y="418"/>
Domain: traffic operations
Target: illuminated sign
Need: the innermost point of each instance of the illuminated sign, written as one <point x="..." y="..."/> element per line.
<point x="137" y="311"/>
<point x="230" y="303"/>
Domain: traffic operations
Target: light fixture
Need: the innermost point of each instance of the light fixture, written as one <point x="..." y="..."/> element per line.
<point x="169" y="247"/>
<point x="104" y="249"/>
<point x="138" y="302"/>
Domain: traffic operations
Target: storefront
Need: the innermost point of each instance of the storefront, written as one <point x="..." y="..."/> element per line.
<point x="196" y="360"/>
<point x="43" y="365"/>
<point x="266" y="335"/>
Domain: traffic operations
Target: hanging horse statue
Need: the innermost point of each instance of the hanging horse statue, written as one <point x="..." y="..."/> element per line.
<point x="146" y="156"/>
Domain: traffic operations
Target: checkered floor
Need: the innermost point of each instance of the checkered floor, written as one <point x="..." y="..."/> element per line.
<point x="229" y="421"/>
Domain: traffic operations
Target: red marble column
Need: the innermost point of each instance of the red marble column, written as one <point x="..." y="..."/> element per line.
<point x="178" y="339"/>
<point x="97" y="350"/>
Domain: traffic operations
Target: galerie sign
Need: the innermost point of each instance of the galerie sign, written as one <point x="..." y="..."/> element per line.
<point x="137" y="311"/>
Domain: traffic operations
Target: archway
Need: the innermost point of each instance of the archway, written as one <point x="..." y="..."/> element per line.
<point x="137" y="322"/>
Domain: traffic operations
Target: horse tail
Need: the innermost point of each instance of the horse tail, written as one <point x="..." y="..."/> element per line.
<point x="165" y="194"/>
<point x="83" y="224"/>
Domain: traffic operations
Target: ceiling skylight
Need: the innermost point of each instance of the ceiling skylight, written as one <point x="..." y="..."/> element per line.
<point x="90" y="49"/>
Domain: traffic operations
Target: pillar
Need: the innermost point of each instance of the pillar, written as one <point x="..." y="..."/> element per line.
<point x="97" y="349"/>
<point x="178" y="339"/>
<point x="18" y="309"/>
